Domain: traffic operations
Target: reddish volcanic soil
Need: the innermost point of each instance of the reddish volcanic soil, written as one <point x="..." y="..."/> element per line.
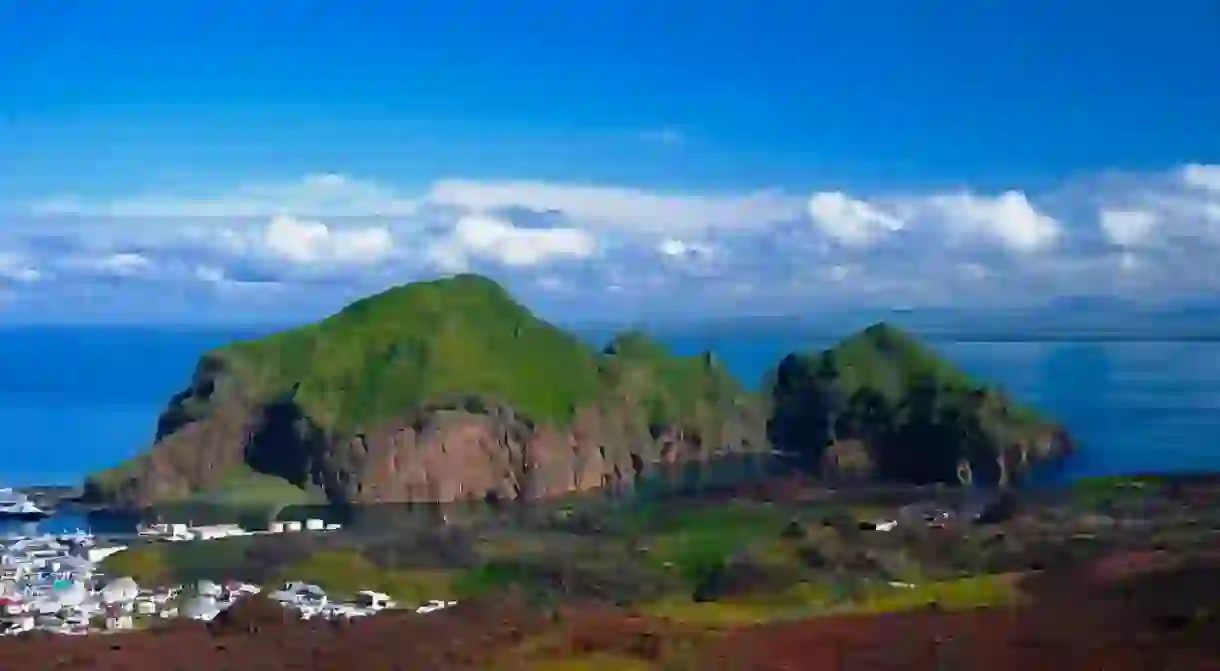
<point x="1141" y="611"/>
<point x="998" y="640"/>
<point x="1138" y="611"/>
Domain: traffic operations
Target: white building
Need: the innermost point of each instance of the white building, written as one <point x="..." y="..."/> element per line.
<point x="120" y="590"/>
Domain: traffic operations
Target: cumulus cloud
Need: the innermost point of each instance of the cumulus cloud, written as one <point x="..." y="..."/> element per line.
<point x="1206" y="177"/>
<point x="490" y="238"/>
<point x="849" y="221"/>
<point x="1008" y="218"/>
<point x="623" y="209"/>
<point x="1128" y="228"/>
<point x="315" y="242"/>
<point x="15" y="268"/>
<point x="309" y="242"/>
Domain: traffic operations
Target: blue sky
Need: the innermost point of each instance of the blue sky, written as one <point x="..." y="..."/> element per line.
<point x="265" y="160"/>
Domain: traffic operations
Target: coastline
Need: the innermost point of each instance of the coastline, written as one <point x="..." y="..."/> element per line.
<point x="67" y="515"/>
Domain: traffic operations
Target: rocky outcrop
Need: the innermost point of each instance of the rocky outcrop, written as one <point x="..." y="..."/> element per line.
<point x="880" y="405"/>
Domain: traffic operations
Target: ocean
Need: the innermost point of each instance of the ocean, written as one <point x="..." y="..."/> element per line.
<point x="75" y="400"/>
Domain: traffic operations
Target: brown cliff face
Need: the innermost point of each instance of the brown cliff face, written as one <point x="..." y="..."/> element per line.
<point x="199" y="440"/>
<point x="459" y="450"/>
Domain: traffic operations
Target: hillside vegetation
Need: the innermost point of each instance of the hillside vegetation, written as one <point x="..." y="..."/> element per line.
<point x="420" y="342"/>
<point x="882" y="404"/>
<point x="454" y="381"/>
<point x="411" y="354"/>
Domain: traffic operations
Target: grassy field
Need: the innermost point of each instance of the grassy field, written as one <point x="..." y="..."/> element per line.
<point x="724" y="564"/>
<point x="147" y="565"/>
<point x="809" y="599"/>
<point x="694" y="542"/>
<point x="343" y="574"/>
<point x="247" y="488"/>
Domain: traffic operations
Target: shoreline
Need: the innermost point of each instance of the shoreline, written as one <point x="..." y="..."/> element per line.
<point x="60" y="501"/>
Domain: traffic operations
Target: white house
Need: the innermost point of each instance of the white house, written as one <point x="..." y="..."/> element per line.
<point x="121" y="590"/>
<point x="433" y="606"/>
<point x="373" y="600"/>
<point x="22" y="624"/>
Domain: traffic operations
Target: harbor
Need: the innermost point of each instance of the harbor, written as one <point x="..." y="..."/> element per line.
<point x="57" y="584"/>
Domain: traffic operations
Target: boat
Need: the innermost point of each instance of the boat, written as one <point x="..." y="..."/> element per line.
<point x="17" y="506"/>
<point x="156" y="529"/>
<point x="80" y="538"/>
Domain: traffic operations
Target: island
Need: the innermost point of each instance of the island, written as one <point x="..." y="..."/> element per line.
<point x="880" y="405"/>
<point x="451" y="390"/>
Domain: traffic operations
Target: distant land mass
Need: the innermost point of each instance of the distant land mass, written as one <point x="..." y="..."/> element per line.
<point x="1081" y="319"/>
<point x="451" y="390"/>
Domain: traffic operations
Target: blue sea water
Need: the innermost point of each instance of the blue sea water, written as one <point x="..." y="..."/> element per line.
<point x="74" y="400"/>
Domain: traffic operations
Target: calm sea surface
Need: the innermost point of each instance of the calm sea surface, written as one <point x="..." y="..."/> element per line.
<point x="76" y="400"/>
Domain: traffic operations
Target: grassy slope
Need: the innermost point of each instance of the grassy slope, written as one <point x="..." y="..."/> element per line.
<point x="892" y="363"/>
<point x="385" y="353"/>
<point x="669" y="387"/>
<point x="459" y="336"/>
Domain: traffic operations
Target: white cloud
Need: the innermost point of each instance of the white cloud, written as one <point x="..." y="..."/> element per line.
<point x="1206" y="177"/>
<point x="848" y="221"/>
<point x="209" y="274"/>
<point x="1009" y="219"/>
<point x="675" y="248"/>
<point x="1181" y="213"/>
<point x="624" y="209"/>
<point x="327" y="238"/>
<point x="318" y="195"/>
<point x="491" y="238"/>
<point x="15" y="268"/>
<point x="1128" y="228"/>
<point x="313" y="242"/>
<point x="122" y="264"/>
<point x="838" y="272"/>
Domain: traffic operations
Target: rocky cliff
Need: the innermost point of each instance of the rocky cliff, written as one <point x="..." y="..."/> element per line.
<point x="435" y="391"/>
<point x="880" y="405"/>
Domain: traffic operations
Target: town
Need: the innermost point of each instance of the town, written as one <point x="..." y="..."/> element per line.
<point x="53" y="583"/>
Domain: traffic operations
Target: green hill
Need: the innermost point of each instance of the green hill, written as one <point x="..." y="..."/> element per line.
<point x="879" y="403"/>
<point x="444" y="356"/>
<point x="416" y="343"/>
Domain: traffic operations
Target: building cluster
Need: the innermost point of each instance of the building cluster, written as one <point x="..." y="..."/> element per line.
<point x="51" y="584"/>
<point x="187" y="532"/>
